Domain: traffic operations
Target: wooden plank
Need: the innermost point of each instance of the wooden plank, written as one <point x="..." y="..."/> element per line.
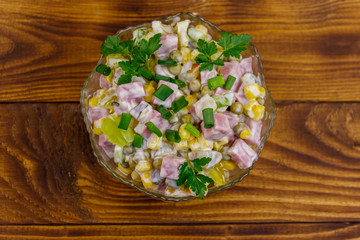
<point x="310" y="50"/>
<point x="308" y="171"/>
<point x="196" y="232"/>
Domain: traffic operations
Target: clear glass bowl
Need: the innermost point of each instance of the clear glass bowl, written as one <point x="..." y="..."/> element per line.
<point x="92" y="84"/>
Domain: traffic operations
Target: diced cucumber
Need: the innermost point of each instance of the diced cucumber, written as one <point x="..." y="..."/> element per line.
<point x="114" y="134"/>
<point x="118" y="154"/>
<point x="224" y="99"/>
<point x="196" y="34"/>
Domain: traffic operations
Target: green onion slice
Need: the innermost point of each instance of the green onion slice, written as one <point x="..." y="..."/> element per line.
<point x="153" y="128"/>
<point x="229" y="82"/>
<point x="158" y="77"/>
<point x="167" y="62"/>
<point x="137" y="140"/>
<point x="103" y="69"/>
<point x="125" y="121"/>
<point x="165" y="113"/>
<point x="192" y="129"/>
<point x="163" y="92"/>
<point x="145" y="73"/>
<point x="172" y="135"/>
<point x="216" y="82"/>
<point x="177" y="105"/>
<point x="208" y="115"/>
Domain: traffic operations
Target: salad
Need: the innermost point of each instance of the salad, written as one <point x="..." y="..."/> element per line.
<point x="177" y="110"/>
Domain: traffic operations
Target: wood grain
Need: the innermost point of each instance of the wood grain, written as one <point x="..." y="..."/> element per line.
<point x="197" y="232"/>
<point x="309" y="171"/>
<point x="310" y="50"/>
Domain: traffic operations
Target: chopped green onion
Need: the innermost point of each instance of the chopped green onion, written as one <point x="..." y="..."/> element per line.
<point x="208" y="115"/>
<point x="216" y="82"/>
<point x="103" y="69"/>
<point x="172" y="135"/>
<point x="192" y="129"/>
<point x="179" y="104"/>
<point x="229" y="82"/>
<point x="163" y="92"/>
<point x="167" y="62"/>
<point x="137" y="140"/>
<point x="153" y="128"/>
<point x="165" y="113"/>
<point x="158" y="77"/>
<point x="125" y="121"/>
<point x="145" y="73"/>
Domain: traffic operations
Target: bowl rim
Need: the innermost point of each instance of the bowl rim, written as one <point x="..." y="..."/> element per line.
<point x="99" y="158"/>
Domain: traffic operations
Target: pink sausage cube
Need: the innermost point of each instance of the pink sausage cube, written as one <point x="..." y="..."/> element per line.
<point x="170" y="99"/>
<point x="142" y="130"/>
<point x="107" y="146"/>
<point x="95" y="113"/>
<point x="205" y="75"/>
<point x="130" y="90"/>
<point x="233" y="118"/>
<point x="220" y="129"/>
<point x="242" y="154"/>
<point x="255" y="130"/>
<point x="103" y="83"/>
<point x="220" y="90"/>
<point x="169" y="43"/>
<point x="170" y="165"/>
<point x="240" y="96"/>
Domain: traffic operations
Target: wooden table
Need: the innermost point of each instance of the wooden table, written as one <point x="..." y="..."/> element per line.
<point x="306" y="184"/>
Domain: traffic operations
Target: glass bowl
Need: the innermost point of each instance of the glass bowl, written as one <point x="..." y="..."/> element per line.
<point x="92" y="84"/>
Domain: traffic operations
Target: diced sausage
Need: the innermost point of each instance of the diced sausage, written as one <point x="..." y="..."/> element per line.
<point x="170" y="165"/>
<point x="220" y="129"/>
<point x="170" y="99"/>
<point x="233" y="118"/>
<point x="95" y="113"/>
<point x="130" y="90"/>
<point x="205" y="75"/>
<point x="242" y="154"/>
<point x="255" y="130"/>
<point x="103" y="83"/>
<point x="107" y="146"/>
<point x="142" y="130"/>
<point x="169" y="43"/>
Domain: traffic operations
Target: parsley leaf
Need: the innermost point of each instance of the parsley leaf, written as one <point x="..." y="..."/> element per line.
<point x="189" y="174"/>
<point x="233" y="44"/>
<point x="112" y="45"/>
<point x="132" y="69"/>
<point x="206" y="51"/>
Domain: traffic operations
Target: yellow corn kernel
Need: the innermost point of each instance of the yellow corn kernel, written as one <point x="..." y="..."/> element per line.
<point x="245" y="134"/>
<point x="252" y="91"/>
<point x="194" y="144"/>
<point x="126" y="171"/>
<point x="180" y="145"/>
<point x="149" y="90"/>
<point x="157" y="163"/>
<point x="219" y="144"/>
<point x="262" y="92"/>
<point x="258" y="112"/>
<point x="149" y="34"/>
<point x="184" y="134"/>
<point x="109" y="78"/>
<point x="202" y="28"/>
<point x="185" y="52"/>
<point x="191" y="99"/>
<point x="205" y="144"/>
<point x="146" y="180"/>
<point x="93" y="101"/>
<point x="97" y="125"/>
<point x="143" y="166"/>
<point x="249" y="108"/>
<point x="229" y="165"/>
<point x="154" y="141"/>
<point x="194" y="54"/>
<point x="135" y="176"/>
<point x="217" y="175"/>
